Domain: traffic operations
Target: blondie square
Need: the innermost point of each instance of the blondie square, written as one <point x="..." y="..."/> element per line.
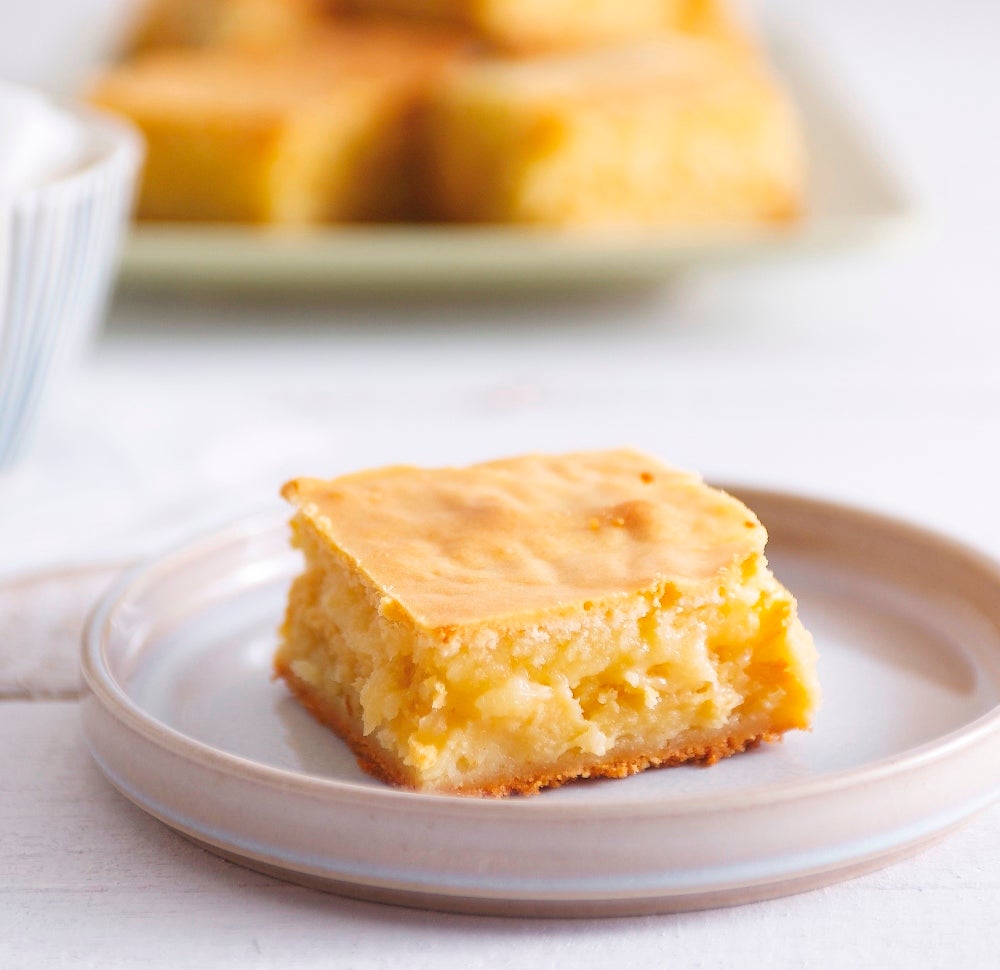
<point x="315" y="131"/>
<point x="521" y="623"/>
<point x="687" y="131"/>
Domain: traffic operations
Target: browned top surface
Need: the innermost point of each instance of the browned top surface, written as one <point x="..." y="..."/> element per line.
<point x="511" y="537"/>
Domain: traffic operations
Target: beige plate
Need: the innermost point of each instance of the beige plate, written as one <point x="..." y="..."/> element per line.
<point x="852" y="197"/>
<point x="182" y="717"/>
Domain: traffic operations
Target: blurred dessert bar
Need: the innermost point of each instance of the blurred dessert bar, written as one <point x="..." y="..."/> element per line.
<point x="196" y="23"/>
<point x="682" y="130"/>
<point x="311" y="131"/>
<point x="540" y="25"/>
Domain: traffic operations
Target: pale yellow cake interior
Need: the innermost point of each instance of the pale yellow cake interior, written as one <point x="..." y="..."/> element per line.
<point x="513" y="625"/>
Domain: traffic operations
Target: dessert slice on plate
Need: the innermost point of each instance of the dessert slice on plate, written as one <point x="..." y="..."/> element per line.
<point x="514" y="625"/>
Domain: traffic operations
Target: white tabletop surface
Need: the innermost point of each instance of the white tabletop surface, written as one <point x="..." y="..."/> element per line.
<point x="871" y="376"/>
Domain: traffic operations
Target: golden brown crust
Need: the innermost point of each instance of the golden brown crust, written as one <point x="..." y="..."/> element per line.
<point x="527" y="534"/>
<point x="375" y="760"/>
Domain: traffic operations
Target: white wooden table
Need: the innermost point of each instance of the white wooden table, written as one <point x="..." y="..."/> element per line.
<point x="870" y="376"/>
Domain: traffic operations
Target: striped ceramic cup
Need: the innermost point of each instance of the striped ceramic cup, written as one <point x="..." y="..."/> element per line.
<point x="59" y="241"/>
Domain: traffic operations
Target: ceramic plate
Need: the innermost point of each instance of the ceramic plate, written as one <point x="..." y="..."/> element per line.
<point x="183" y="718"/>
<point x="853" y="196"/>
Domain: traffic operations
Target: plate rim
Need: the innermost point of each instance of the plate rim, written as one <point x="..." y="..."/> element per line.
<point x="102" y="685"/>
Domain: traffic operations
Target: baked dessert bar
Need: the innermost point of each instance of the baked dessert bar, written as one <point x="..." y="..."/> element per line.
<point x="309" y="132"/>
<point x="192" y="23"/>
<point x="682" y="130"/>
<point x="541" y="25"/>
<point x="517" y="624"/>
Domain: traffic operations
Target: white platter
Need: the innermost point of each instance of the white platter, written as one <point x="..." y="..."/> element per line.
<point x="182" y="717"/>
<point x="853" y="196"/>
